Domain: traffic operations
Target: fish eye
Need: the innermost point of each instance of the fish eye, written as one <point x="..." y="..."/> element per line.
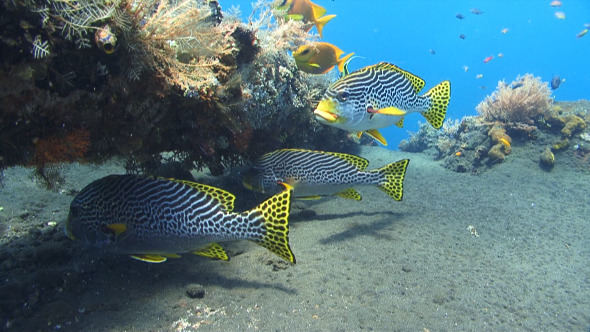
<point x="109" y="48"/>
<point x="343" y="96"/>
<point x="305" y="51"/>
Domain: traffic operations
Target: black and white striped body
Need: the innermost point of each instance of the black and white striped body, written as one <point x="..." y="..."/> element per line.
<point x="311" y="173"/>
<point x="356" y="98"/>
<point x="161" y="216"/>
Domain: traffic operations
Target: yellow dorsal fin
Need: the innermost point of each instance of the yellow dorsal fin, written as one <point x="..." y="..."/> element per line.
<point x="149" y="258"/>
<point x="212" y="250"/>
<point x="318" y="11"/>
<point x="359" y="134"/>
<point x="349" y="194"/>
<point x="439" y="96"/>
<point x="391" y="111"/>
<point x="376" y="135"/>
<point x="226" y="199"/>
<point x="117" y="228"/>
<point x="417" y="83"/>
<point x="356" y="161"/>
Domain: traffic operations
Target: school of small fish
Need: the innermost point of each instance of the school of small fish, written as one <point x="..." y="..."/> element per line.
<point x="558" y="14"/>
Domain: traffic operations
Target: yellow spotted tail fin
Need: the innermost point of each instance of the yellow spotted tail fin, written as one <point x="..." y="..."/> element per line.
<point x="439" y="96"/>
<point x="274" y="215"/>
<point x="393" y="178"/>
<point x="321" y="22"/>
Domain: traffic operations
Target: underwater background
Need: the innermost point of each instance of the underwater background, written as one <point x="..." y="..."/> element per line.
<point x="404" y="33"/>
<point x="492" y="232"/>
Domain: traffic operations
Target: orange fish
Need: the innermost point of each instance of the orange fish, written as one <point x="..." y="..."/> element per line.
<point x="555" y="3"/>
<point x="306" y="11"/>
<point x="560" y="15"/>
<point x="582" y="33"/>
<point x="319" y="58"/>
<point x="488" y="59"/>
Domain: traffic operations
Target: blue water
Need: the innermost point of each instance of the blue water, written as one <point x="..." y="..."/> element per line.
<point x="404" y="32"/>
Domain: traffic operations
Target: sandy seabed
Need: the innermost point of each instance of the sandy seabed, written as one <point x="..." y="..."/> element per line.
<point x="375" y="265"/>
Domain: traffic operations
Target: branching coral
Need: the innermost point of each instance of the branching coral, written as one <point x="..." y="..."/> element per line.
<point x="521" y="101"/>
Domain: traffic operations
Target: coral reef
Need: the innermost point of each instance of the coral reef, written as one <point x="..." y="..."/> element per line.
<point x="141" y="78"/>
<point x="474" y="144"/>
<point x="522" y="101"/>
<point x="519" y="112"/>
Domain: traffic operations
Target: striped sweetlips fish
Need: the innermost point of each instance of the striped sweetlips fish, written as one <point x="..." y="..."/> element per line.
<point x="313" y="174"/>
<point x="378" y="96"/>
<point x="153" y="219"/>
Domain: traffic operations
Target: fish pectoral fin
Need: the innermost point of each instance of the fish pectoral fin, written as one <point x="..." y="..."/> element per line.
<point x="150" y="258"/>
<point x="400" y="123"/>
<point x="349" y="194"/>
<point x="376" y="135"/>
<point x="212" y="250"/>
<point x="294" y="17"/>
<point x="315" y="65"/>
<point x="391" y="111"/>
<point x="309" y="198"/>
<point x="117" y="229"/>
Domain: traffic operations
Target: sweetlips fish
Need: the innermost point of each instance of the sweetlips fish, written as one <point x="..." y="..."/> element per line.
<point x="306" y="11"/>
<point x="378" y="96"/>
<point x="319" y="58"/>
<point x="153" y="219"/>
<point x="313" y="174"/>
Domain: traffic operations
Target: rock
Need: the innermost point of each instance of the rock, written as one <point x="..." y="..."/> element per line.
<point x="195" y="291"/>
<point x="547" y="158"/>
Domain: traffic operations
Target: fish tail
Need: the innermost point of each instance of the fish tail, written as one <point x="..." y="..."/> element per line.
<point x="271" y="218"/>
<point x="342" y="62"/>
<point x="439" y="97"/>
<point x="321" y="22"/>
<point x="392" y="180"/>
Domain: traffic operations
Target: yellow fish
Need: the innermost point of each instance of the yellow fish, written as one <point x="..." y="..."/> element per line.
<point x="319" y="58"/>
<point x="306" y="11"/>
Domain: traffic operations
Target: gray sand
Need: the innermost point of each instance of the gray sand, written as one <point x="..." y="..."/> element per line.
<point x="376" y="264"/>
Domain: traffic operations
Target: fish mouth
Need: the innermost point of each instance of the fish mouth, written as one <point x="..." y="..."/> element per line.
<point x="324" y="116"/>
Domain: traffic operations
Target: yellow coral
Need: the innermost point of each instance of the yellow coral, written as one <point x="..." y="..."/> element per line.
<point x="573" y="124"/>
<point x="496" y="153"/>
<point x="561" y="145"/>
